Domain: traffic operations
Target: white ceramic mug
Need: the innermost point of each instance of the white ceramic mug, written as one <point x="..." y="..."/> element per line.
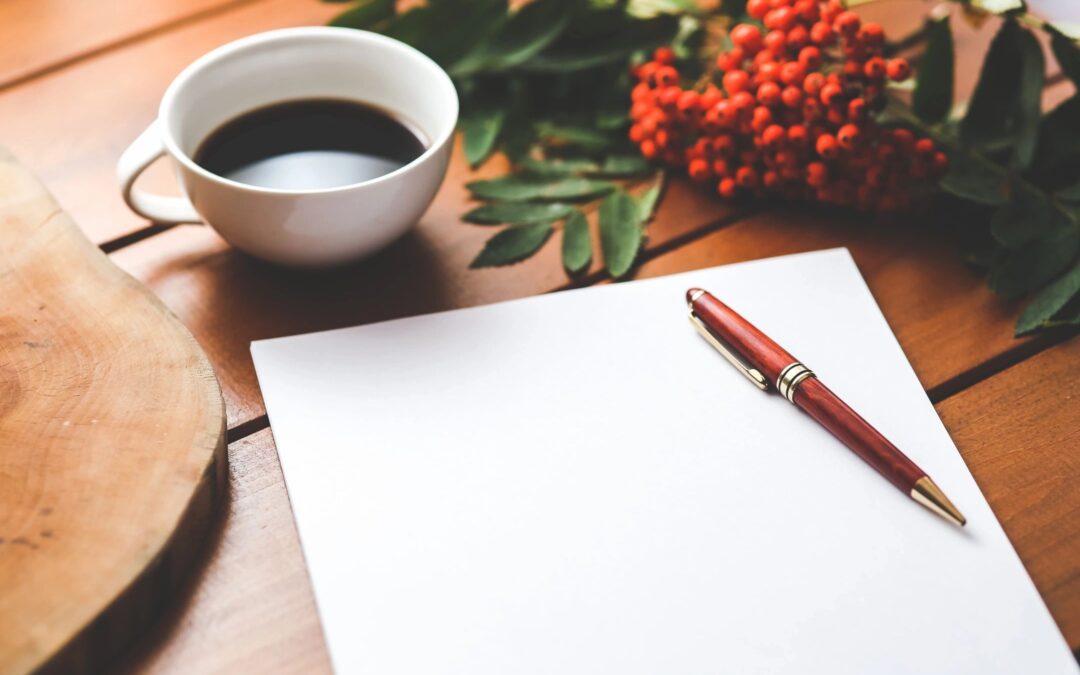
<point x="297" y="227"/>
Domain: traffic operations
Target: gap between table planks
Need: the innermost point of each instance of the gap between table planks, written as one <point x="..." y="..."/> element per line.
<point x="250" y="606"/>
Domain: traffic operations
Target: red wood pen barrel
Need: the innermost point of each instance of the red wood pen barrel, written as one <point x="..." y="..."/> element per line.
<point x="766" y="364"/>
<point x="819" y="402"/>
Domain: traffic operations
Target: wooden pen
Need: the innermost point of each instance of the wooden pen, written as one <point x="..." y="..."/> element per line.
<point x="767" y="365"/>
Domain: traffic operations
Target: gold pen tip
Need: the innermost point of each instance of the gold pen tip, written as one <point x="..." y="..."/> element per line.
<point x="927" y="493"/>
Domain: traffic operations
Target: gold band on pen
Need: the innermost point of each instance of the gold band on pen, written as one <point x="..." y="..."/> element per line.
<point x="790" y="378"/>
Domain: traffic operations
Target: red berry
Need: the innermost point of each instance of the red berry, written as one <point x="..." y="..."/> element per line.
<point x="940" y="163"/>
<point x="710" y="98"/>
<point x="637" y="134"/>
<point x="726" y="113"/>
<point x="736" y="81"/>
<point x="793" y="72"/>
<point x="773" y="136"/>
<point x="874" y="68"/>
<point x="722" y="145"/>
<point x="742" y="102"/>
<point x="669" y="97"/>
<point x="797" y="135"/>
<point x="898" y="69"/>
<point x="762" y="118"/>
<point x="666" y="77"/>
<point x="812" y="109"/>
<point x="797" y="37"/>
<point x="827" y="146"/>
<point x="698" y="170"/>
<point x="792" y="97"/>
<point x="817" y="174"/>
<point x="688" y="101"/>
<point x="776" y="42"/>
<point x="720" y="167"/>
<point x="848" y="136"/>
<point x="813" y="83"/>
<point x="871" y="34"/>
<point x="747" y="36"/>
<point x="768" y="72"/>
<point x="732" y="60"/>
<point x="647" y="70"/>
<point x="664" y="55"/>
<point x="903" y="139"/>
<point x="925" y="147"/>
<point x="807" y="10"/>
<point x="822" y="34"/>
<point x="852" y="69"/>
<point x="770" y="179"/>
<point x="746" y="178"/>
<point x="768" y="93"/>
<point x="781" y="18"/>
<point x="810" y="58"/>
<point x="847" y="23"/>
<point x="662" y="139"/>
<point x="832" y="94"/>
<point x="856" y="110"/>
<point x="726" y="188"/>
<point x="648" y="149"/>
<point x="757" y="9"/>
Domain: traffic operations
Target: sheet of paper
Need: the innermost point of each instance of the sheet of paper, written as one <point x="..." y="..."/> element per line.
<point x="578" y="484"/>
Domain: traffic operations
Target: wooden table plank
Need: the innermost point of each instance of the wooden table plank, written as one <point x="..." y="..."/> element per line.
<point x="40" y="36"/>
<point x="70" y="126"/>
<point x="228" y="299"/>
<point x="1027" y="467"/>
<point x="249" y="606"/>
<point x="944" y="316"/>
<point x="1018" y="433"/>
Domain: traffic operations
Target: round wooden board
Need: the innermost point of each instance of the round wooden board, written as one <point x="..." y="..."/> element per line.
<point x="112" y="443"/>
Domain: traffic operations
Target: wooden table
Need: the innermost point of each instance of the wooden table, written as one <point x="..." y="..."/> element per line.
<point x="78" y="81"/>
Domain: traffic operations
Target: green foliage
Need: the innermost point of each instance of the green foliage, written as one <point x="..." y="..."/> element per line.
<point x="621" y="232"/>
<point x="934" y="87"/>
<point x="515" y="243"/>
<point x="524" y="187"/>
<point x="517" y="213"/>
<point x="576" y="244"/>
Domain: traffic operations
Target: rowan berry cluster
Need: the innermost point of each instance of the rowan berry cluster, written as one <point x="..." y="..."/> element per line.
<point x="792" y="115"/>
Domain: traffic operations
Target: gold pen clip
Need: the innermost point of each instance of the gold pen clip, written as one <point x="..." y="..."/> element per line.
<point x="751" y="373"/>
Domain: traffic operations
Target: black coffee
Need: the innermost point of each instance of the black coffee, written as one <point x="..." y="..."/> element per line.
<point x="309" y="144"/>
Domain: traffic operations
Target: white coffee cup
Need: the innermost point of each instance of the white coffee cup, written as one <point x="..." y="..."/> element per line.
<point x="298" y="227"/>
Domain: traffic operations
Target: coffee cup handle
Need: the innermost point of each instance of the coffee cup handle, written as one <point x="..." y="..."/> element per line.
<point x="157" y="208"/>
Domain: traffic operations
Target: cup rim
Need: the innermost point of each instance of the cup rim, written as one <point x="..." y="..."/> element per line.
<point x="209" y="58"/>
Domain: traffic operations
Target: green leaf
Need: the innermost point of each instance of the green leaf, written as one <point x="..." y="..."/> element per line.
<point x="517" y="213"/>
<point x="1059" y="140"/>
<point x="1029" y="215"/>
<point x="648" y="9"/>
<point x="1049" y="302"/>
<point x="365" y="14"/>
<point x="576" y="244"/>
<point x="480" y="131"/>
<point x="582" y="137"/>
<point x="518" y="188"/>
<point x="524" y="34"/>
<point x="445" y="29"/>
<point x="1030" y="267"/>
<point x="1028" y="111"/>
<point x="620" y="232"/>
<point x="623" y="166"/>
<point x="990" y="112"/>
<point x="934" y="87"/>
<point x="558" y="168"/>
<point x="515" y="243"/>
<point x="1067" y="55"/>
<point x="646" y="201"/>
<point x="976" y="179"/>
<point x="615" y="46"/>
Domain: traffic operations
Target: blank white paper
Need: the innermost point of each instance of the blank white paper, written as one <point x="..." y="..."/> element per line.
<point x="577" y="483"/>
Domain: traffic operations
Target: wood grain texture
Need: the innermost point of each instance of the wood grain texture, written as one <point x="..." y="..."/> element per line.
<point x="113" y="433"/>
<point x="1026" y="465"/>
<point x="249" y="607"/>
<point x="39" y="36"/>
<point x="945" y="318"/>
<point x="70" y="126"/>
<point x="1019" y="433"/>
